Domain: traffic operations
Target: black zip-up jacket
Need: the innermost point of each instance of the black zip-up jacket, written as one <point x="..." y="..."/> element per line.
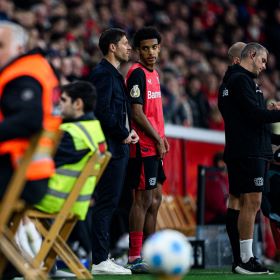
<point x="246" y="118"/>
<point x="111" y="106"/>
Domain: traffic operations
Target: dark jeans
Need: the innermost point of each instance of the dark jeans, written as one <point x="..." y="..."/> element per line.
<point x="107" y="195"/>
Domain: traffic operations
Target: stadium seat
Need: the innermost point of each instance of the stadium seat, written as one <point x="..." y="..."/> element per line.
<point x="56" y="232"/>
<point x="12" y="209"/>
<point x="178" y="213"/>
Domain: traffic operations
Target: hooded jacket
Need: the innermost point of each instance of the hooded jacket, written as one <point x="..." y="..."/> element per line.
<point x="246" y="118"/>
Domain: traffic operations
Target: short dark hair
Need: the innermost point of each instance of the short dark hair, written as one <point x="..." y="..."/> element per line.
<point x="81" y="89"/>
<point x="110" y="36"/>
<point x="145" y="33"/>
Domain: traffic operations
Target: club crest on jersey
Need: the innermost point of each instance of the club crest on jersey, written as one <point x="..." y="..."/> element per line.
<point x="135" y="91"/>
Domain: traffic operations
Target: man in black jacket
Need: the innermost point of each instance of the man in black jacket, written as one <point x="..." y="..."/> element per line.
<point x="248" y="146"/>
<point x="112" y="112"/>
<point x="233" y="208"/>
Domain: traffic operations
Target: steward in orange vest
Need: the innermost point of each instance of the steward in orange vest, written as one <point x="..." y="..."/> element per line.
<point x="28" y="86"/>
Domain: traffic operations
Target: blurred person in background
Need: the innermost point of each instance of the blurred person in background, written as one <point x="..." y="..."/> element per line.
<point x="198" y="103"/>
<point x="270" y="200"/>
<point x="24" y="84"/>
<point x="216" y="191"/>
<point x="27" y="87"/>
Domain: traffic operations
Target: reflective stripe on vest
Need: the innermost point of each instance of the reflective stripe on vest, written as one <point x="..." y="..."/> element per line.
<point x="68" y="172"/>
<point x="73" y="173"/>
<point x="83" y="129"/>
<point x="65" y="195"/>
<point x="85" y="135"/>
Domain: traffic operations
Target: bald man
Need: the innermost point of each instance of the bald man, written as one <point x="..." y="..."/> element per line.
<point x="234" y="55"/>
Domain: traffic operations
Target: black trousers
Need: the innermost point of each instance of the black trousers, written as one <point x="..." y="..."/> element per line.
<point x="107" y="195"/>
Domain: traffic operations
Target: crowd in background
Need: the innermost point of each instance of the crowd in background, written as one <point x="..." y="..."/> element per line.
<point x="196" y="36"/>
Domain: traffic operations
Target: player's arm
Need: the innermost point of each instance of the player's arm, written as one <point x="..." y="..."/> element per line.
<point x="246" y="97"/>
<point x="136" y="87"/>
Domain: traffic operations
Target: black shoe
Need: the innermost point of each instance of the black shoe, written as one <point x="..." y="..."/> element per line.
<point x="138" y="266"/>
<point x="251" y="267"/>
<point x="270" y="270"/>
<point x="233" y="267"/>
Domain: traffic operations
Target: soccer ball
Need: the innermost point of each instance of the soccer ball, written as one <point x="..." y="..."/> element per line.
<point x="168" y="252"/>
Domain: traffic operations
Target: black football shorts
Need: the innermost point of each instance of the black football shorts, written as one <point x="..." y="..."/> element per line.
<point x="247" y="175"/>
<point x="145" y="173"/>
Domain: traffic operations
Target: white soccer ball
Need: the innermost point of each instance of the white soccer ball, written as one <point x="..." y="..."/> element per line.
<point x="168" y="252"/>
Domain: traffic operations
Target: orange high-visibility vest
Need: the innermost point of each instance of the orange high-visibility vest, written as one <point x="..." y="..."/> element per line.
<point x="37" y="67"/>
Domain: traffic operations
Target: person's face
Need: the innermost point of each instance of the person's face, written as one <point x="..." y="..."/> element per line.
<point x="67" y="107"/>
<point x="148" y="52"/>
<point x="259" y="62"/>
<point x="122" y="50"/>
<point x="8" y="50"/>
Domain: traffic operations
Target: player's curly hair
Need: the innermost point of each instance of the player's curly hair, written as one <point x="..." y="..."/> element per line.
<point x="146" y="33"/>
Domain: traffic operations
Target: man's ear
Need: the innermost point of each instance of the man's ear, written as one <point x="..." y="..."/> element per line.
<point x="112" y="47"/>
<point x="21" y="49"/>
<point x="79" y="104"/>
<point x="236" y="60"/>
<point x="253" y="54"/>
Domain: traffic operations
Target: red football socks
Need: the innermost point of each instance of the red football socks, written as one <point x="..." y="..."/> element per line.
<point x="135" y="245"/>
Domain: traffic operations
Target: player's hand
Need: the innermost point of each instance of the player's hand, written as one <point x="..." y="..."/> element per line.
<point x="273" y="105"/>
<point x="166" y="144"/>
<point x="161" y="148"/>
<point x="127" y="140"/>
<point x="134" y="137"/>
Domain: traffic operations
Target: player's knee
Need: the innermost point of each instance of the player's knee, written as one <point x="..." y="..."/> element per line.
<point x="157" y="197"/>
<point x="144" y="199"/>
<point x="253" y="204"/>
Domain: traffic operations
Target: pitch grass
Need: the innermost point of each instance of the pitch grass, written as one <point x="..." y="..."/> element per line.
<point x="199" y="274"/>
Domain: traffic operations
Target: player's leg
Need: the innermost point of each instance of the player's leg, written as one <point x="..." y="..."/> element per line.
<point x="140" y="177"/>
<point x="151" y="216"/>
<point x="142" y="200"/>
<point x="233" y="212"/>
<point x="254" y="171"/>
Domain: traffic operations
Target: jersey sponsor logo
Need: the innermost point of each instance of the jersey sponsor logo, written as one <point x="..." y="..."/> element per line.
<point x="225" y="92"/>
<point x="152" y="181"/>
<point x="149" y="81"/>
<point x="259" y="181"/>
<point x="154" y="94"/>
<point x="135" y="91"/>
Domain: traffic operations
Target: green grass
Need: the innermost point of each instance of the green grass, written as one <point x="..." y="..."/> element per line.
<point x="199" y="274"/>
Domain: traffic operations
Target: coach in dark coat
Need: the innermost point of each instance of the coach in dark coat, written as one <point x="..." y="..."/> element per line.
<point x="112" y="112"/>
